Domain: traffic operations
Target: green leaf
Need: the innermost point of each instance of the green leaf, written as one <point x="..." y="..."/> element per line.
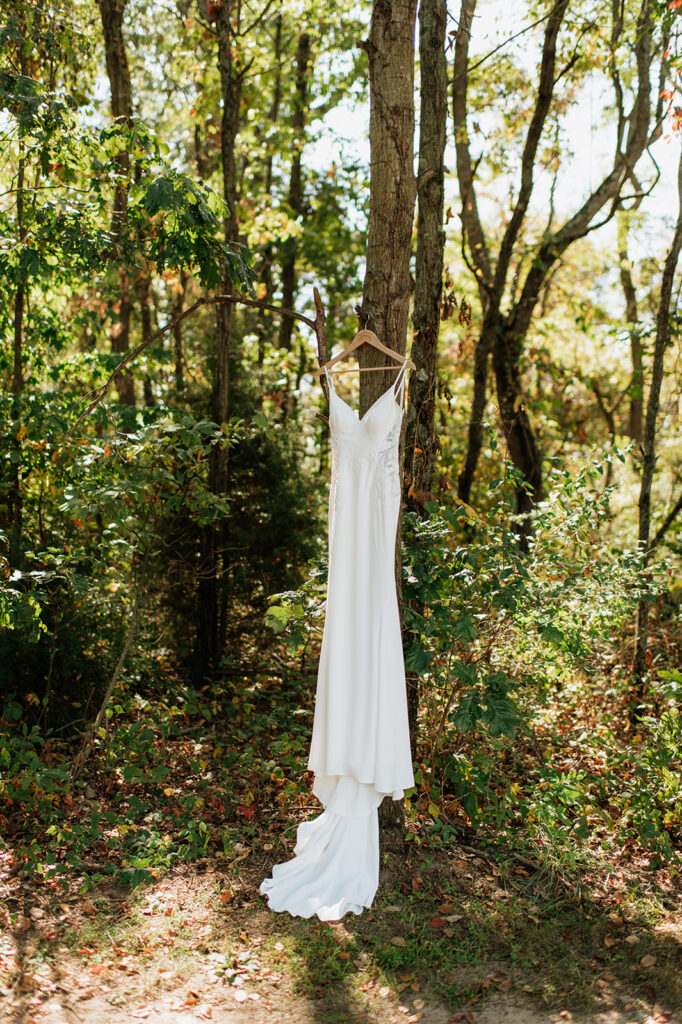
<point x="467" y="713"/>
<point x="417" y="659"/>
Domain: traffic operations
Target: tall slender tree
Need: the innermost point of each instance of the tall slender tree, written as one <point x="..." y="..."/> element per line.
<point x="420" y="442"/>
<point x="295" y="197"/>
<point x="648" y="446"/>
<point x="210" y="594"/>
<point x="503" y="330"/>
<point x="112" y="13"/>
<point x="386" y="293"/>
<point x="420" y="439"/>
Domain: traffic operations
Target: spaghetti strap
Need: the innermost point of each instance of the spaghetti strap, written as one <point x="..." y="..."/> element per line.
<point x="330" y="380"/>
<point x="399" y="385"/>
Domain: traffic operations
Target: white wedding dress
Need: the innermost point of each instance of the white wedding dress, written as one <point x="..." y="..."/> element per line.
<point x="360" y="748"/>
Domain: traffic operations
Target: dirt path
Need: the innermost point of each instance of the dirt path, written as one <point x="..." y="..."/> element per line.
<point x="204" y="947"/>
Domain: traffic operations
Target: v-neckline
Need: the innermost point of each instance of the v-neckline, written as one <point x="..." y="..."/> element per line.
<point x="361" y="419"/>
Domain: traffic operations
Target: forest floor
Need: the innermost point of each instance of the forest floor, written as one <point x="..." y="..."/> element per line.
<point x="474" y="929"/>
<point x="201" y="945"/>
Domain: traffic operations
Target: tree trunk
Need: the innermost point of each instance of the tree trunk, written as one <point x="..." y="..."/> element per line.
<point x="211" y="619"/>
<point x="177" y="333"/>
<point x="386" y="293"/>
<point x="142" y="286"/>
<point x="639" y="664"/>
<point x="264" y="327"/>
<point x="295" y="198"/>
<point x="420" y="441"/>
<point x="634" y="427"/>
<point x="15" y="501"/>
<point x="523" y="448"/>
<point x="112" y="12"/>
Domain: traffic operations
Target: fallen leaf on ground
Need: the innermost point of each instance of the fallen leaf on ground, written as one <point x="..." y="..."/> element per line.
<point x="384" y="992"/>
<point x="240" y="995"/>
<point x="418" y="1004"/>
<point x="89" y="907"/>
<point x="647" y="961"/>
<point x="398" y="940"/>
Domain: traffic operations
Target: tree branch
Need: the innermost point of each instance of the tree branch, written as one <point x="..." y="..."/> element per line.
<point x="212" y="300"/>
<point x="528" y="28"/>
<point x="667" y="522"/>
<point x="542" y="104"/>
<point x="581" y="223"/>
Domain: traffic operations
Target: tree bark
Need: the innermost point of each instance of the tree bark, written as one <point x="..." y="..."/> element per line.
<point x="295" y="197"/>
<point x="386" y="292"/>
<point x="420" y="440"/>
<point x="111" y="12"/>
<point x="639" y="664"/>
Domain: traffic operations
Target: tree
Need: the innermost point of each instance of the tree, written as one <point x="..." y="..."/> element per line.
<point x="386" y="293"/>
<point x="211" y="607"/>
<point x="112" y="12"/>
<point x="648" y="446"/>
<point x="295" y="196"/>
<point x="420" y="440"/>
<point x="503" y="330"/>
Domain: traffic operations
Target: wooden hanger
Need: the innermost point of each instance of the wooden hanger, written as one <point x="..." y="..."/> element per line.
<point x="365" y="337"/>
